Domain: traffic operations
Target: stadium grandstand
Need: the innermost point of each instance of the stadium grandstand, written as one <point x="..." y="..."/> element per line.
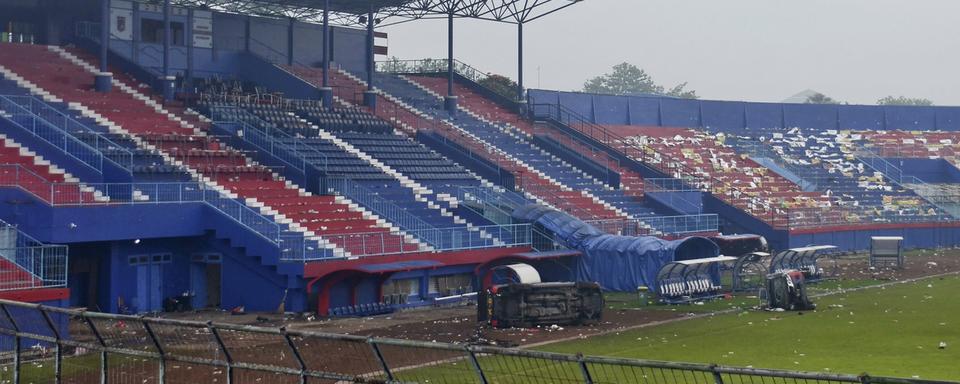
<point x="219" y="151"/>
<point x="249" y="155"/>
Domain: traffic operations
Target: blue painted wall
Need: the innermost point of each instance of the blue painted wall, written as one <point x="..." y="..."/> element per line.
<point x="734" y="116"/>
<point x="860" y="240"/>
<point x="268" y="38"/>
<point x="928" y="170"/>
<point x="252" y="275"/>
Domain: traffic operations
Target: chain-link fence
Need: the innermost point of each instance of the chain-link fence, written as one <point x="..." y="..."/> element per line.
<point x="40" y="344"/>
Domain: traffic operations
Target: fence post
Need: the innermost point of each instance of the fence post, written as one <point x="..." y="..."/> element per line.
<point x="223" y="347"/>
<point x="476" y="365"/>
<point x="296" y="354"/>
<point x="584" y="370"/>
<point x="156" y="343"/>
<point x="16" y="344"/>
<point x="58" y="348"/>
<point x="379" y="355"/>
<point x="103" y="352"/>
<point x="717" y="377"/>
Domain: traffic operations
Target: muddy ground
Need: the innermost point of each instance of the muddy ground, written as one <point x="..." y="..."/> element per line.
<point x="458" y="324"/>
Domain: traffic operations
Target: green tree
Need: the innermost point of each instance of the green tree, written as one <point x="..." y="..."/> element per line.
<point x="395" y="65"/>
<point x="679" y="91"/>
<point x="628" y="79"/>
<point x="500" y="85"/>
<point x="901" y="100"/>
<point x="819" y="98"/>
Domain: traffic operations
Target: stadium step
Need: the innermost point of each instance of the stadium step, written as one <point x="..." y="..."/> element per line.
<point x="215" y="160"/>
<point x="152" y="127"/>
<point x="477" y="105"/>
<point x="421" y="193"/>
<point x="524" y="136"/>
<point x="44" y="179"/>
<point x="545" y="185"/>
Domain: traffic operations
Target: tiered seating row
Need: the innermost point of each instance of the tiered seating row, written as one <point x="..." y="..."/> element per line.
<point x="631" y="181"/>
<point x="365" y="183"/>
<point x="139" y="117"/>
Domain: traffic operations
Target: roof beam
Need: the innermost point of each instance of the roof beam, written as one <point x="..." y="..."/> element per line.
<point x="389" y="12"/>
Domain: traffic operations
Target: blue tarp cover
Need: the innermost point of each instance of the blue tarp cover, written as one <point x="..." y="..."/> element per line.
<point x="617" y="263"/>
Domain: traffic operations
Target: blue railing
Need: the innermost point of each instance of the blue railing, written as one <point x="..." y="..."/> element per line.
<point x="760" y="151"/>
<point x="106" y="194"/>
<point x="67" y="124"/>
<point x="498" y="206"/>
<point x="665" y="184"/>
<point x="677" y="194"/>
<point x="445" y="239"/>
<point x="38" y="265"/>
<point x="659" y="225"/>
<point x="271" y="139"/>
<point x="495" y="205"/>
<point x="20" y="38"/>
<point x="377" y="204"/>
<point x="15" y="113"/>
<point x="396" y="214"/>
<point x="680" y="225"/>
<point x="440" y="66"/>
<point x="88" y="29"/>
<point x="163" y="193"/>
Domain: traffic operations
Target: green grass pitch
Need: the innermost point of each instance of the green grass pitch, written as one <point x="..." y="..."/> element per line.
<point x="888" y="331"/>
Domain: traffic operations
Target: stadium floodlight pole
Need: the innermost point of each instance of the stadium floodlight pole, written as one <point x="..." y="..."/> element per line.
<point x="450" y="102"/>
<point x="103" y="79"/>
<point x="167" y="80"/>
<point x="326" y="93"/>
<point x="520" y="64"/>
<point x="370" y="97"/>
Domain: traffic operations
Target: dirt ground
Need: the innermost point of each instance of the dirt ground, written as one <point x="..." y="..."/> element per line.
<point x="455" y="324"/>
<point x="918" y="263"/>
<point x="458" y="324"/>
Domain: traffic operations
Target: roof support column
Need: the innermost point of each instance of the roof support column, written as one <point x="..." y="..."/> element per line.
<point x="290" y="27"/>
<point x="246" y="33"/>
<point x="326" y="93"/>
<point x="188" y="45"/>
<point x="450" y="102"/>
<point x="370" y="96"/>
<point x="520" y="98"/>
<point x="104" y="78"/>
<point x="168" y="81"/>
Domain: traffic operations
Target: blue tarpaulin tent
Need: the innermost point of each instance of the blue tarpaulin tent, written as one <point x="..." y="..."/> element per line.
<point x="617" y="263"/>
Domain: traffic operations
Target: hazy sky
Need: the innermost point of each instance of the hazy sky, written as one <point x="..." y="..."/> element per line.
<point x="758" y="50"/>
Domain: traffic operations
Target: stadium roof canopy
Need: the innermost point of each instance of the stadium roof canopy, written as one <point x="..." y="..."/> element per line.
<point x="349" y="12"/>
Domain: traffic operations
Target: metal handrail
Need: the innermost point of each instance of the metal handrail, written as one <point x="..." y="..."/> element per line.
<point x="430" y="66"/>
<point x="378" y="205"/>
<point x="44" y="262"/>
<point x="267" y="140"/>
<point x="670" y="166"/>
<point x="119" y="154"/>
<point x="23" y="239"/>
<point x="448" y="239"/>
<point x="422" y="66"/>
<point x="50" y="133"/>
<point x="107" y="194"/>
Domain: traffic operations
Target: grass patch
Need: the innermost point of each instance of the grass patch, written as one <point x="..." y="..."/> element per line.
<point x="618" y="301"/>
<point x="890" y="331"/>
